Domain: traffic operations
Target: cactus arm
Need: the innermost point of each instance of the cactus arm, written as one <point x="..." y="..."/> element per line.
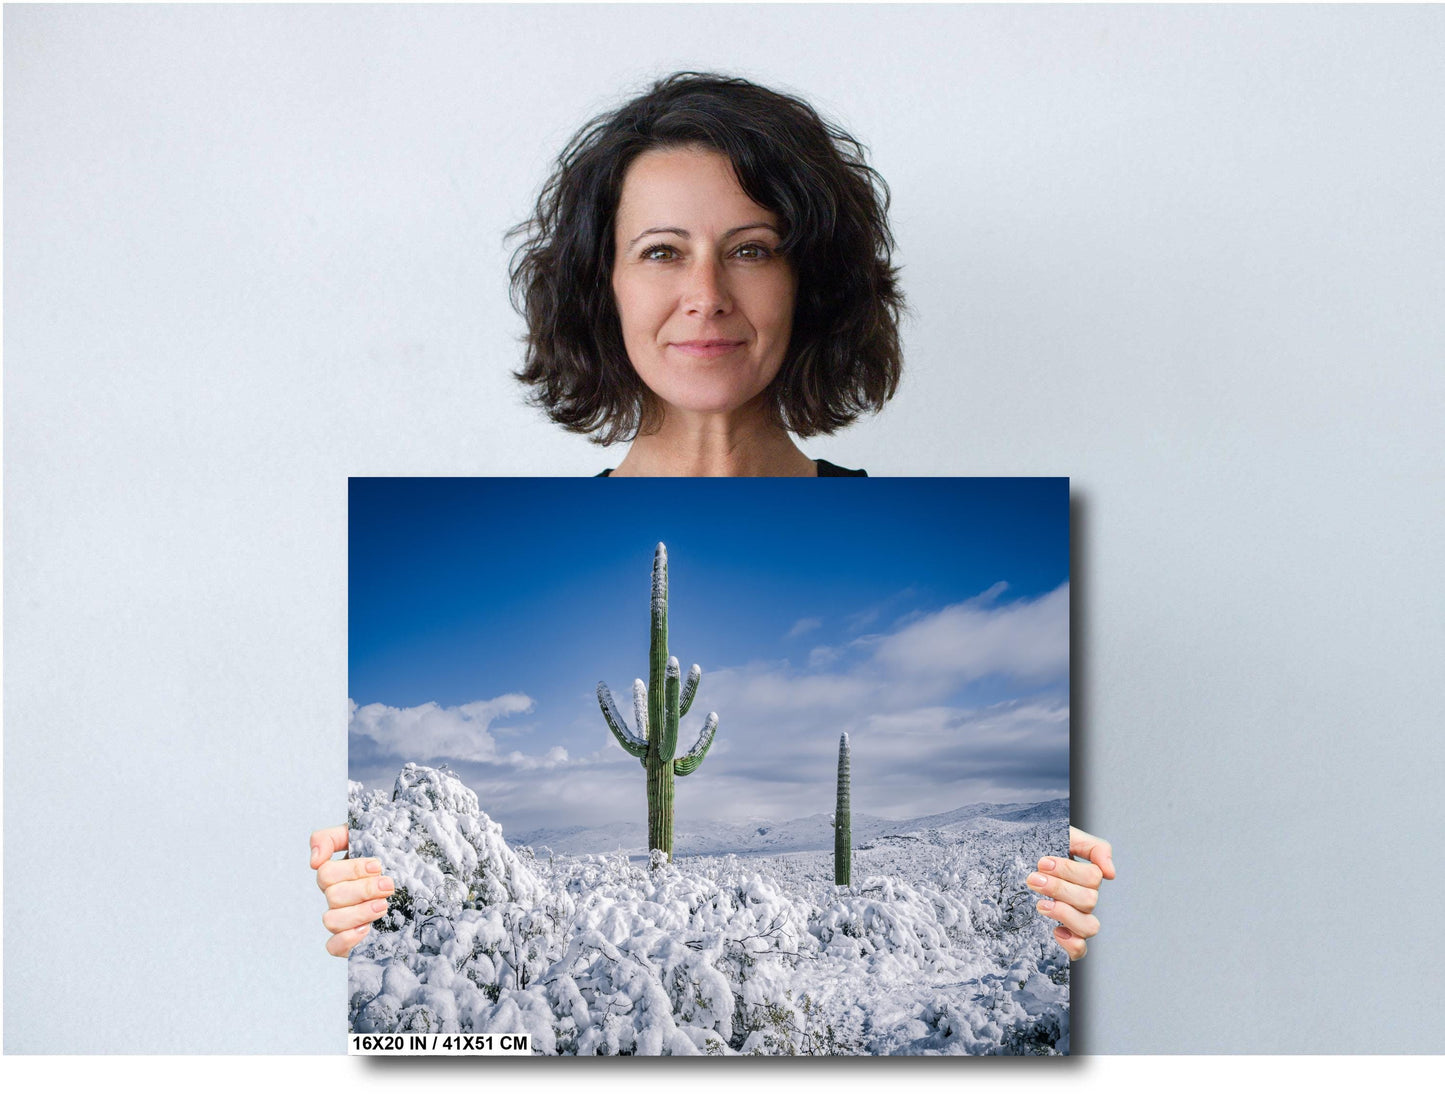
<point x="693" y="759"/>
<point x="639" y="706"/>
<point x="689" y="690"/>
<point x="625" y="738"/>
<point x="668" y="746"/>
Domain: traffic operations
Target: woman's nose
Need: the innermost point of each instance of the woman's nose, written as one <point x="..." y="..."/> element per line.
<point x="707" y="290"/>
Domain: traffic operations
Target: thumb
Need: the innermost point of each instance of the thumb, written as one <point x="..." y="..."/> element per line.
<point x="326" y="842"/>
<point x="1092" y="848"/>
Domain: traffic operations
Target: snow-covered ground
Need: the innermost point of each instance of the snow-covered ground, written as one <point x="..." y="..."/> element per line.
<point x="935" y="948"/>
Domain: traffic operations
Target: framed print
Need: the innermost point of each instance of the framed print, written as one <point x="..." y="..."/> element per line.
<point x="710" y="766"/>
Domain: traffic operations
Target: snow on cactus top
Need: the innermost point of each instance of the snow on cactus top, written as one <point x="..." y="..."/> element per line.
<point x="659" y="580"/>
<point x="639" y="707"/>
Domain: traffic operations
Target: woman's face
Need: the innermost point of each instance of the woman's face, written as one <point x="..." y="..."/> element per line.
<point x="705" y="300"/>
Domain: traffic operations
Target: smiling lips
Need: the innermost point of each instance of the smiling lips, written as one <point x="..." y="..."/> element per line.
<point x="707" y="348"/>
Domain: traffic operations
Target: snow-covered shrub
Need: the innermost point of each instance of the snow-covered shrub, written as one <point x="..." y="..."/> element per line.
<point x="928" y="953"/>
<point x="434" y="841"/>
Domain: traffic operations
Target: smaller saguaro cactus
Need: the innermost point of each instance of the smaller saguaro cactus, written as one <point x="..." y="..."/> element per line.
<point x="843" y="819"/>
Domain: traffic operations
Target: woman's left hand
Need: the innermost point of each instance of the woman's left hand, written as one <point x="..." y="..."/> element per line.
<point x="1071" y="889"/>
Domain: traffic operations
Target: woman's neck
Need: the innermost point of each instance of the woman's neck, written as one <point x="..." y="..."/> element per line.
<point x="717" y="446"/>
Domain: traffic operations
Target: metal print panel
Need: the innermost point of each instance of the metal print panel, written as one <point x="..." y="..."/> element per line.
<point x="711" y="766"/>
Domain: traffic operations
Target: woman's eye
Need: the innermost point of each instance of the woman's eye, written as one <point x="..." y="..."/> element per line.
<point x="754" y="251"/>
<point x="659" y="253"/>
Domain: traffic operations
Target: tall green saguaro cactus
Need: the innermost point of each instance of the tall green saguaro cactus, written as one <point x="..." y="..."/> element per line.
<point x="658" y="707"/>
<point x="843" y="818"/>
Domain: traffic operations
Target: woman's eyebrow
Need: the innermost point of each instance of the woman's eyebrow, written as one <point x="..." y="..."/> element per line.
<point x="682" y="233"/>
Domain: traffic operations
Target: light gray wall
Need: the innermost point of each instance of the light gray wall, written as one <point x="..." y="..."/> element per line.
<point x="1193" y="258"/>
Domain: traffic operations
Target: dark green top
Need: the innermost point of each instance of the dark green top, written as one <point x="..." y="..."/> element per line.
<point x="825" y="470"/>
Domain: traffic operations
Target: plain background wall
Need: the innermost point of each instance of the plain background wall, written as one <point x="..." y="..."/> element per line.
<point x="1193" y="258"/>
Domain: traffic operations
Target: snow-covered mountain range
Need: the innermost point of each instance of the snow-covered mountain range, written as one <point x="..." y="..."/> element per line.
<point x="804" y="834"/>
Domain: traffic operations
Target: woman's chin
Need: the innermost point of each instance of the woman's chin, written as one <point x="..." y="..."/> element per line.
<point x="698" y="402"/>
<point x="705" y="410"/>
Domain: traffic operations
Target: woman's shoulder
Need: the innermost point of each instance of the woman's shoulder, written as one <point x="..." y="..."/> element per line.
<point x="825" y="470"/>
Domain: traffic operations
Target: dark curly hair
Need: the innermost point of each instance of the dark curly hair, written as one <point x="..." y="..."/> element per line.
<point x="844" y="355"/>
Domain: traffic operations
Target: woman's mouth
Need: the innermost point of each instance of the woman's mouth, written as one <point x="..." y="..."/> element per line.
<point x="707" y="348"/>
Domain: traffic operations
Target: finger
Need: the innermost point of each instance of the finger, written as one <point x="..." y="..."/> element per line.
<point x="350" y="892"/>
<point x="1073" y="944"/>
<point x="337" y="870"/>
<point x="1092" y="849"/>
<point x="1082" y="899"/>
<point x="1085" y="925"/>
<point x="326" y="842"/>
<point x="342" y="944"/>
<point x="1075" y="871"/>
<point x="344" y="918"/>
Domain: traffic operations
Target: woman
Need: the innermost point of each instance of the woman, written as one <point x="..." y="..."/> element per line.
<point x="706" y="274"/>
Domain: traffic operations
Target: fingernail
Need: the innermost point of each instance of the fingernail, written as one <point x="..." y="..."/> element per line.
<point x="1062" y="932"/>
<point x="1038" y="881"/>
<point x="373" y="866"/>
<point x="1046" y="904"/>
<point x="385" y="885"/>
<point x="1046" y="864"/>
<point x="315" y="852"/>
<point x="378" y="906"/>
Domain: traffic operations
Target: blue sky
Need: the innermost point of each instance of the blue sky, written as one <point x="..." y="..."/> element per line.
<point x="927" y="617"/>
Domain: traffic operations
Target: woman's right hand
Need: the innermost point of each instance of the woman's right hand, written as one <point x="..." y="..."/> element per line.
<point x="355" y="890"/>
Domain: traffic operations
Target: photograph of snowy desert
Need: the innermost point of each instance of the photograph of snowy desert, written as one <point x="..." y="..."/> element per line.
<point x="711" y="766"/>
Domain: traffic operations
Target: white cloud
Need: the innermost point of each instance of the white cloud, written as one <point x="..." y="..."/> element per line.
<point x="1027" y="639"/>
<point x="766" y="689"/>
<point x="905" y="672"/>
<point x="1041" y="722"/>
<point x="549" y="761"/>
<point x="430" y="731"/>
<point x="803" y="625"/>
<point x="986" y="597"/>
